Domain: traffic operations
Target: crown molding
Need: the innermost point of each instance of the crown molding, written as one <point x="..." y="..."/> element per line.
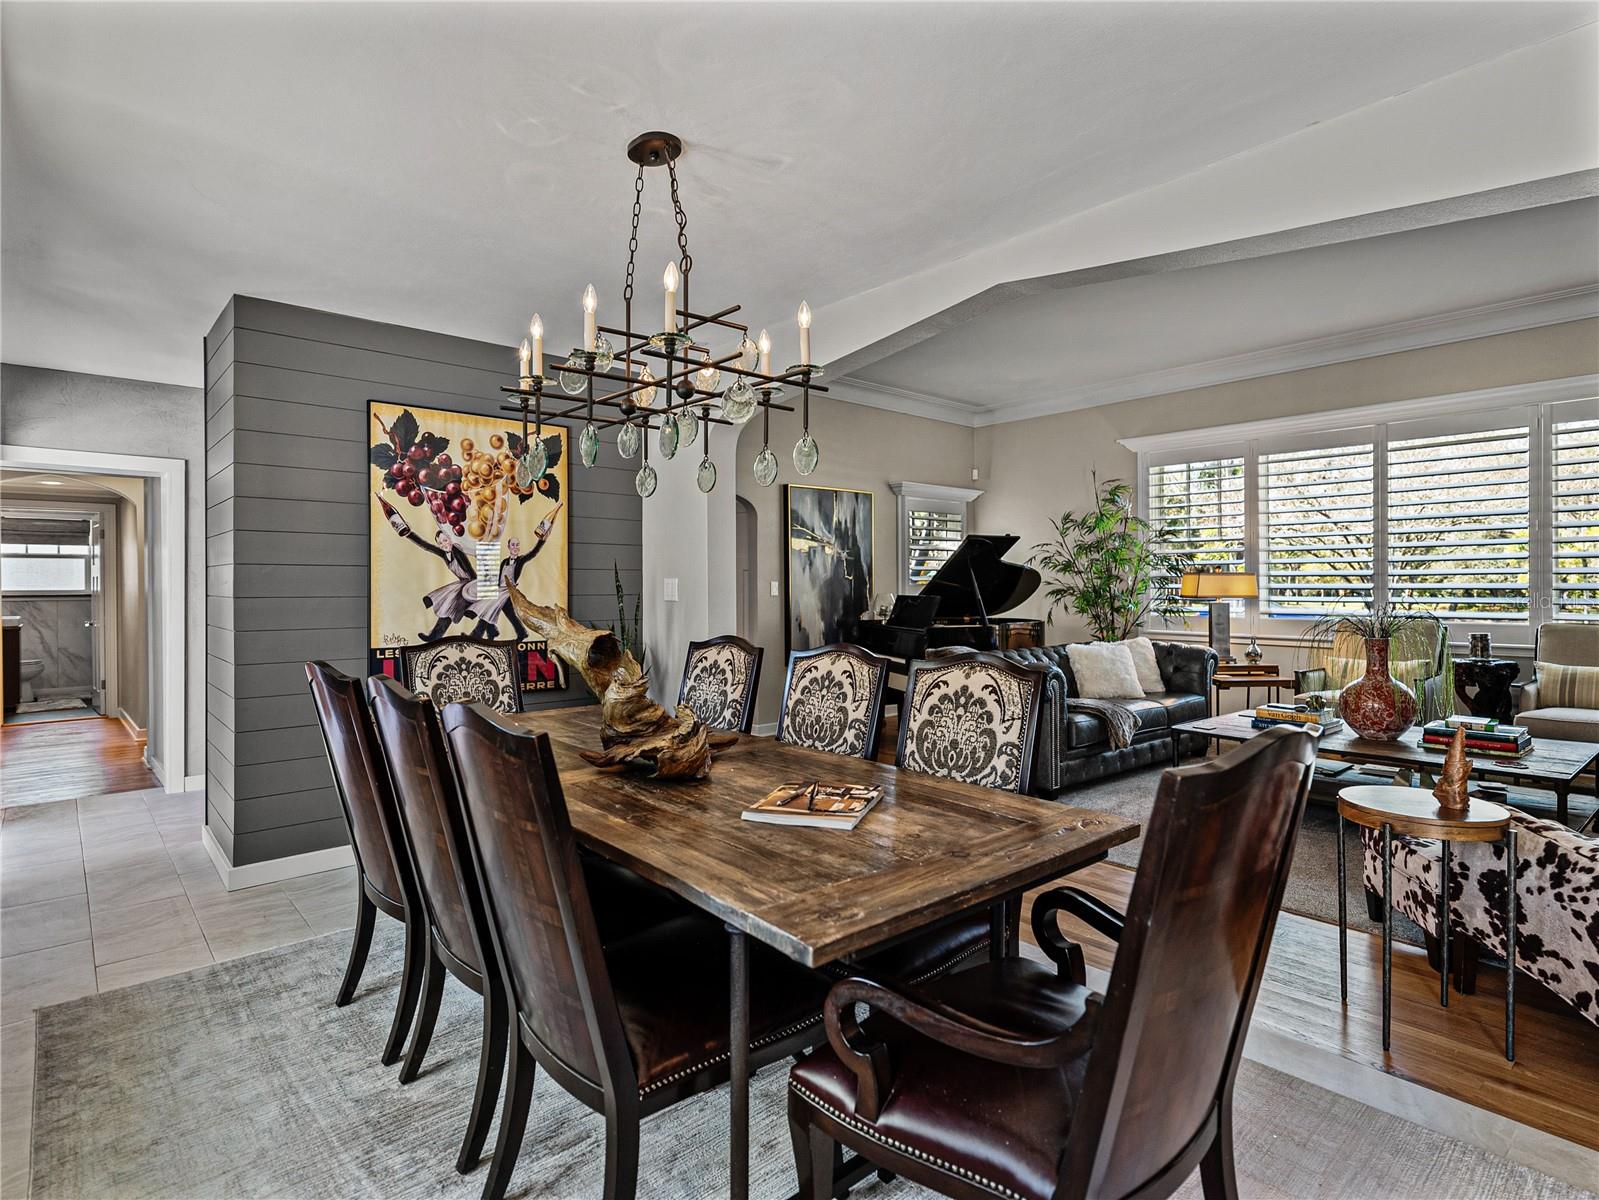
<point x="1508" y="316"/>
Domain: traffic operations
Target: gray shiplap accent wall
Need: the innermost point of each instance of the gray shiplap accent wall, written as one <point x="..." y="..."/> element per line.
<point x="287" y="541"/>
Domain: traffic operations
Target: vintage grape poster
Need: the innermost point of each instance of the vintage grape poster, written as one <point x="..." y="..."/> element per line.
<point x="452" y="523"/>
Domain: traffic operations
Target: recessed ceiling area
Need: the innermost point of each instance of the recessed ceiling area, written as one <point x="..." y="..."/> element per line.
<point x="1103" y="342"/>
<point x="429" y="165"/>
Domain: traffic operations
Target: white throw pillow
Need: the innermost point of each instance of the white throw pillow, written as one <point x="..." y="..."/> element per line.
<point x="1104" y="671"/>
<point x="1149" y="677"/>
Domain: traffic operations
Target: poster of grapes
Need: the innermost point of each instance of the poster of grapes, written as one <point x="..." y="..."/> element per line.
<point x="459" y="510"/>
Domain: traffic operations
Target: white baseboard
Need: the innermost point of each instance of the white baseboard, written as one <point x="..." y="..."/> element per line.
<point x="273" y="870"/>
<point x="132" y="726"/>
<point x="768" y="729"/>
<point x="194" y="783"/>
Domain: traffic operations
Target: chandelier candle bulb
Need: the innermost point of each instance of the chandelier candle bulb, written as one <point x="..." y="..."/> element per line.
<point x="670" y="280"/>
<point x="591" y="305"/>
<point x="535" y="328"/>
<point x="524" y="357"/>
<point x="764" y="342"/>
<point x="805" y="332"/>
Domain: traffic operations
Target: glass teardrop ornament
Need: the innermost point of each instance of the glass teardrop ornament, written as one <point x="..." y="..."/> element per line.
<point x="766" y="467"/>
<point x="604" y="352"/>
<point x="668" y="442"/>
<point x="706" y="476"/>
<point x="748" y="353"/>
<point x="629" y="440"/>
<point x="688" y="427"/>
<point x="588" y="444"/>
<point x="708" y="378"/>
<point x="738" y="402"/>
<point x="571" y="382"/>
<point x="644" y="481"/>
<point x="807" y="454"/>
<point x="645" y="397"/>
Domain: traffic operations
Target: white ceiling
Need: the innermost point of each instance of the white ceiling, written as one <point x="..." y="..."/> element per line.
<point x="454" y="166"/>
<point x="1150" y="334"/>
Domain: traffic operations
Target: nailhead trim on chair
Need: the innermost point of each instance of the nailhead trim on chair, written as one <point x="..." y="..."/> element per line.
<point x="685" y="1072"/>
<point x="869" y="1131"/>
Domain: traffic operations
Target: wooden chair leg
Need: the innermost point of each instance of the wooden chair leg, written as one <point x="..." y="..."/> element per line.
<point x="621" y="1153"/>
<point x="513" y="1122"/>
<point x="416" y="949"/>
<point x="813" y="1159"/>
<point x="490" y="1067"/>
<point x="427" y="1014"/>
<point x="365" y="918"/>
<point x="1216" y="1173"/>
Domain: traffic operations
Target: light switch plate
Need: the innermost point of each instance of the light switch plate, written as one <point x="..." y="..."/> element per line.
<point x="671" y="588"/>
<point x="774" y="587"/>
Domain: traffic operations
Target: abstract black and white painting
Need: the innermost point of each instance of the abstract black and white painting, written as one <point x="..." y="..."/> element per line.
<point x="829" y="563"/>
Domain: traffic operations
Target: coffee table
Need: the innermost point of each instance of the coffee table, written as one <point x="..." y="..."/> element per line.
<point x="1414" y="812"/>
<point x="1551" y="763"/>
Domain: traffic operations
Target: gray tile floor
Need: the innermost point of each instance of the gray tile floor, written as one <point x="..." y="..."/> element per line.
<point x="109" y="891"/>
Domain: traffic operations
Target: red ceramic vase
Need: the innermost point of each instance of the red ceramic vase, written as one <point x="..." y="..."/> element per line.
<point x="1377" y="706"/>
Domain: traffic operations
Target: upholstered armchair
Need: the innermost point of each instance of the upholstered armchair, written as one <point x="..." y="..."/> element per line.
<point x="719" y="681"/>
<point x="464" y="670"/>
<point x="1419" y="659"/>
<point x="1560" y="703"/>
<point x="1557" y="911"/>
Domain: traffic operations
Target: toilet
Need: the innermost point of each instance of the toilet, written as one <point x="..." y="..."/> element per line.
<point x="31" y="669"/>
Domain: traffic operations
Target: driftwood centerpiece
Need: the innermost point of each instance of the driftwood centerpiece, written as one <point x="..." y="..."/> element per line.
<point x="635" y="731"/>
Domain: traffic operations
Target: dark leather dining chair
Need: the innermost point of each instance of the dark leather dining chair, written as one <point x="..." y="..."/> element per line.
<point x="1012" y="1080"/>
<point x="385" y="881"/>
<point x="627" y="1028"/>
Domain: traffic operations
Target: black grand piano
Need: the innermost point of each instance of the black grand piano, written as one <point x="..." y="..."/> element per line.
<point x="961" y="605"/>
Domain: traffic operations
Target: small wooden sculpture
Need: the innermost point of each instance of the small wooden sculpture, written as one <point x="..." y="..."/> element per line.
<point x="636" y="731"/>
<point x="1455" y="777"/>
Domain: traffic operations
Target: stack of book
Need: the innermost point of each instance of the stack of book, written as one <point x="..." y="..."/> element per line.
<point x="1318" y="721"/>
<point x="1484" y="736"/>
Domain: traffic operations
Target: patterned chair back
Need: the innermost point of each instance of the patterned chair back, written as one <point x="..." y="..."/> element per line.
<point x="972" y="717"/>
<point x="833" y="700"/>
<point x="464" y="670"/>
<point x="719" y="680"/>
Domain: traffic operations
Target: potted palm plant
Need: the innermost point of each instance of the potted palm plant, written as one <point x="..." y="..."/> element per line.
<point x="1106" y="564"/>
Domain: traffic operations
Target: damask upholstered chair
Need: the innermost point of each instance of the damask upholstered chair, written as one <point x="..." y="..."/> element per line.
<point x="719" y="681"/>
<point x="833" y="700"/>
<point x="1011" y="1080"/>
<point x="629" y="1028"/>
<point x="972" y="717"/>
<point x="386" y="881"/>
<point x="464" y="670"/>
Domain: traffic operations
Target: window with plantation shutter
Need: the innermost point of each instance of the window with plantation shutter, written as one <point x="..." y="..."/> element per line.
<point x="1197" y="510"/>
<point x="1317" y="529"/>
<point x="1574" y="471"/>
<point x="931" y="536"/>
<point x="1458" y="523"/>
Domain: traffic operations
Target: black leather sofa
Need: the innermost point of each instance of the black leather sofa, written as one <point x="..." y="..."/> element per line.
<point x="1075" y="747"/>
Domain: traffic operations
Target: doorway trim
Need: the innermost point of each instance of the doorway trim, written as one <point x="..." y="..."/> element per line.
<point x="169" y="671"/>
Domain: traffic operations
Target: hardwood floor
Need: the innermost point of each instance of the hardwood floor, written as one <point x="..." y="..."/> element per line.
<point x="63" y="760"/>
<point x="1458" y="1051"/>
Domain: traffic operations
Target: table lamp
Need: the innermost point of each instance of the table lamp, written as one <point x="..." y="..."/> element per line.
<point x="1219" y="587"/>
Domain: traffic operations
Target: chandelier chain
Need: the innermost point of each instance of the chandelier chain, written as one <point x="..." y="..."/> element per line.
<point x="687" y="260"/>
<point x="632" y="241"/>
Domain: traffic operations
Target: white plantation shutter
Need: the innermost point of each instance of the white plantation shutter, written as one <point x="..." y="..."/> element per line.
<point x="1459" y="522"/>
<point x="1198" y="508"/>
<point x="1574" y="477"/>
<point x="1317" y="529"/>
<point x="931" y="536"/>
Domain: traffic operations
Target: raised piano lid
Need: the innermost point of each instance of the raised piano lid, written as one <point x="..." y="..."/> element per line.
<point x="976" y="581"/>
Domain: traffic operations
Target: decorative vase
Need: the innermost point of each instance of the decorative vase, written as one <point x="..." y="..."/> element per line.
<point x="1377" y="706"/>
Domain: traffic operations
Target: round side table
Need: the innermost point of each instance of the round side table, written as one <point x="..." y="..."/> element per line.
<point x="1415" y="812"/>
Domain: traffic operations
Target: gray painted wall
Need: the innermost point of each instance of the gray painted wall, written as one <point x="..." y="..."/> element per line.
<point x="66" y="410"/>
<point x="286" y="535"/>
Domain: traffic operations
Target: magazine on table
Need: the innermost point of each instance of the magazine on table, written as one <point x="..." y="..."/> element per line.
<point x="820" y="805"/>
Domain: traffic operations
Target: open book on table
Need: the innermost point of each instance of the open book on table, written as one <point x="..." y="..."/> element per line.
<point x="821" y="805"/>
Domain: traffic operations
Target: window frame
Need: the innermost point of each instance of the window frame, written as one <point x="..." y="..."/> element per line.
<point x="935" y="497"/>
<point x="1537" y="406"/>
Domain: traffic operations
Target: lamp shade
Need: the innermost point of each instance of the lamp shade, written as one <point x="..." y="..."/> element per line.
<point x="1218" y="585"/>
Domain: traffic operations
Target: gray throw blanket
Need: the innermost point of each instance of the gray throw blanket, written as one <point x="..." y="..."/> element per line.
<point x="1119" y="719"/>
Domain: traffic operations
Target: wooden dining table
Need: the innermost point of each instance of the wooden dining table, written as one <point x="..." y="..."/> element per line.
<point x="930" y="849"/>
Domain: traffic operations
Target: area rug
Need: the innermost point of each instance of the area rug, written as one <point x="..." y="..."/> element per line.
<point x="242" y="1080"/>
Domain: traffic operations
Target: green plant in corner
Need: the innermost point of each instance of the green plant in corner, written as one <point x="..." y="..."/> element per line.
<point x="631" y="637"/>
<point x="1106" y="564"/>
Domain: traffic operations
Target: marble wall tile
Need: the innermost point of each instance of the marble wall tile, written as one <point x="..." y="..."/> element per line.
<point x="54" y="632"/>
<point x="38" y="634"/>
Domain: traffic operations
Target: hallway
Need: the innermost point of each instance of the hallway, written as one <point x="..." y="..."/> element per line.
<point x="66" y="760"/>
